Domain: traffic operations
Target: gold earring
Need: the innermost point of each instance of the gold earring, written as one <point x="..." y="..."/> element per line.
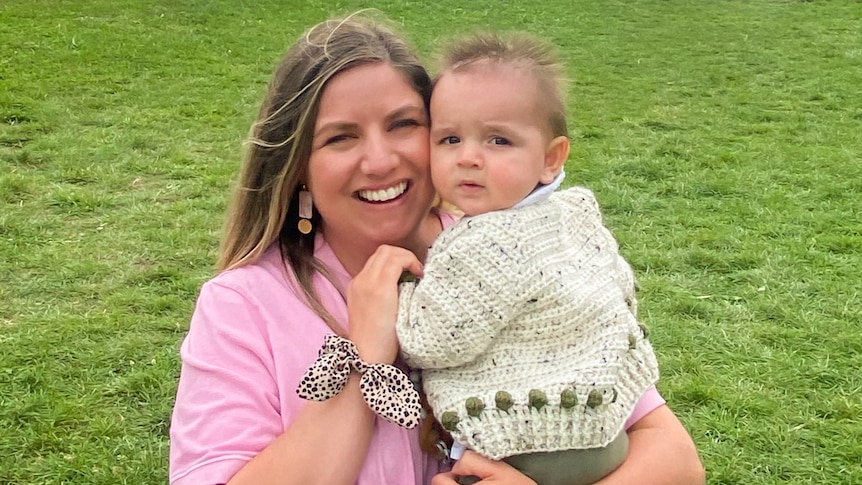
<point x="304" y="224"/>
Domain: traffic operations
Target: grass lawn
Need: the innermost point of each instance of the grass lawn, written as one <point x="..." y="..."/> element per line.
<point x="722" y="138"/>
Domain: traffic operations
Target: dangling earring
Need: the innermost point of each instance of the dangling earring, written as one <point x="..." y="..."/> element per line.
<point x="304" y="224"/>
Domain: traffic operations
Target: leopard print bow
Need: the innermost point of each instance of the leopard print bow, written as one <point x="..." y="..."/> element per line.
<point x="385" y="388"/>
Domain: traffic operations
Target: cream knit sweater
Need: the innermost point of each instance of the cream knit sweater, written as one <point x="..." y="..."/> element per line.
<point x="524" y="325"/>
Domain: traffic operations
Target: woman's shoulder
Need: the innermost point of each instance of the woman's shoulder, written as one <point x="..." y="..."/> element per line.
<point x="267" y="271"/>
<point x="253" y="303"/>
<point x="268" y="287"/>
<point x="447" y="214"/>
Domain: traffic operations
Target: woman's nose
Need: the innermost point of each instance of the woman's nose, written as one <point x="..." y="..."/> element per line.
<point x="379" y="156"/>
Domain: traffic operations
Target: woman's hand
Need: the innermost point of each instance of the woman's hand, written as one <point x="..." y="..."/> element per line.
<point x="372" y="303"/>
<point x="487" y="470"/>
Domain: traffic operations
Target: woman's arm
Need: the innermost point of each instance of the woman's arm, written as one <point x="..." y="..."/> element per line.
<point x="342" y="426"/>
<point x="227" y="415"/>
<point x="659" y="438"/>
<point x="227" y="419"/>
<point x="328" y="441"/>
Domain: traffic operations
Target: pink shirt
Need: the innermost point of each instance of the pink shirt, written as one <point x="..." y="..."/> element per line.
<point x="250" y="341"/>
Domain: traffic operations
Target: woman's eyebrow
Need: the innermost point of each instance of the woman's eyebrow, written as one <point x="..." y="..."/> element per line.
<point x="335" y="126"/>
<point x="408" y="110"/>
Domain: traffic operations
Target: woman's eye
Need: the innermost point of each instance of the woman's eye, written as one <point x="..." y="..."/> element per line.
<point x="450" y="140"/>
<point x="335" y="139"/>
<point x="499" y="140"/>
<point x="407" y="122"/>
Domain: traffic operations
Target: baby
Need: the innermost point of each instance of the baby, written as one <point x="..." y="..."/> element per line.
<point x="524" y="323"/>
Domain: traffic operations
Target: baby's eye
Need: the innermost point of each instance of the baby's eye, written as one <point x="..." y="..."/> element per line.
<point x="499" y="140"/>
<point x="450" y="140"/>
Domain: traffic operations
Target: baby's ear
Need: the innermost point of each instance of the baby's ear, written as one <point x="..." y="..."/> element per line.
<point x="555" y="158"/>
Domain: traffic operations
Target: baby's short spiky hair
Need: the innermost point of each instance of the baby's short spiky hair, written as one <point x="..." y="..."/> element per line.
<point x="520" y="50"/>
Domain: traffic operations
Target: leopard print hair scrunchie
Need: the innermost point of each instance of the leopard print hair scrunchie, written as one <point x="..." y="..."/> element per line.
<point x="385" y="388"/>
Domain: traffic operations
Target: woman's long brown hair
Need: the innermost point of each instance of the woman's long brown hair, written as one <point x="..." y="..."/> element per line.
<point x="265" y="207"/>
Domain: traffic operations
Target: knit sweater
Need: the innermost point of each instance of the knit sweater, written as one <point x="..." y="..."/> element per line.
<point x="524" y="324"/>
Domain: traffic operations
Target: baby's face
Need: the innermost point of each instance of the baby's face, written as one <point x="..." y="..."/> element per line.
<point x="489" y="138"/>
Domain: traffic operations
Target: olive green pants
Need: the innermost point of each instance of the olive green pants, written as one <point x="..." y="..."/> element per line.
<point x="569" y="467"/>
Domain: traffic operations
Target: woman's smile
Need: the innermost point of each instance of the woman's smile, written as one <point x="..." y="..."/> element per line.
<point x="384" y="194"/>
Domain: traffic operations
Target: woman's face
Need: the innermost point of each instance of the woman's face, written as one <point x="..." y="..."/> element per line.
<point x="368" y="171"/>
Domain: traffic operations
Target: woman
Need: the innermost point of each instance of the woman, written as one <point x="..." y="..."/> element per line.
<point x="343" y="128"/>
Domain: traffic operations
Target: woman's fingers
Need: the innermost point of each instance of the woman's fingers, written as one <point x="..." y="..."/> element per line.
<point x="372" y="302"/>
<point x="475" y="464"/>
<point x="381" y="272"/>
<point x="444" y="479"/>
<point x="487" y="470"/>
<point x="388" y="261"/>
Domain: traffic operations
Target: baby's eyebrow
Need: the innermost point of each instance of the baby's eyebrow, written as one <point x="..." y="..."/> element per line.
<point x="499" y="127"/>
<point x="442" y="131"/>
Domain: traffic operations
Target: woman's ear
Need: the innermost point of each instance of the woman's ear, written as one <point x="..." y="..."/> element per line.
<point x="555" y="158"/>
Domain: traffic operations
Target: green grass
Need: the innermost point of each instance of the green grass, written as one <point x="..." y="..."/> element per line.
<point x="723" y="140"/>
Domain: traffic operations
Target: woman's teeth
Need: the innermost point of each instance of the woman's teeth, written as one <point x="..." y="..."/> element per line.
<point x="383" y="195"/>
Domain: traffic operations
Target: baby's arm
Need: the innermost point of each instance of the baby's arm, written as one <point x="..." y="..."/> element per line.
<point x="469" y="292"/>
<point x="628" y="283"/>
<point x="624" y="275"/>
